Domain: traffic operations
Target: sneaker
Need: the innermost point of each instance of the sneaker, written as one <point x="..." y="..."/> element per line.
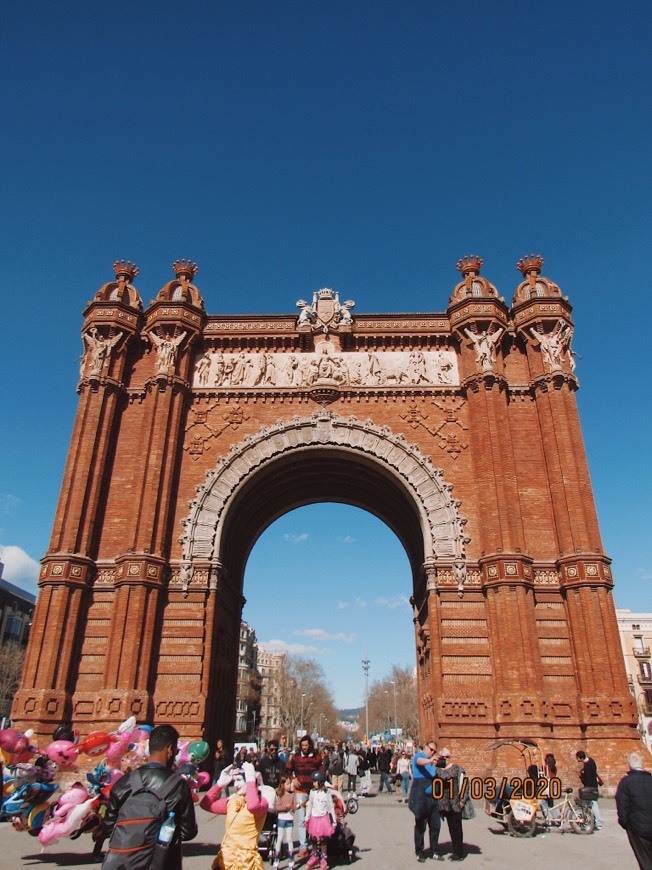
<point x="303" y="852"/>
<point x="421" y="859"/>
<point x="313" y="862"/>
<point x="290" y="864"/>
<point x="323" y="864"/>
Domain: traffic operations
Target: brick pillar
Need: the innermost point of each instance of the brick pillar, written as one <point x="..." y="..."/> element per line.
<point x="172" y="324"/>
<point x="481" y="325"/>
<point x="602" y="696"/>
<point x="110" y="322"/>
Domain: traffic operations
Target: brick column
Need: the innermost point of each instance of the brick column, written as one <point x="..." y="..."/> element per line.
<point x="110" y="322"/>
<point x="172" y="323"/>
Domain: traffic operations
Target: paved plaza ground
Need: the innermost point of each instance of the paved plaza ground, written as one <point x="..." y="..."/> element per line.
<point x="383" y="829"/>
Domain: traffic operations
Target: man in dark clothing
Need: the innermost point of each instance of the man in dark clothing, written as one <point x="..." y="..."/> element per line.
<point x="163" y="747"/>
<point x="590" y="779"/>
<point x="270" y="766"/>
<point x="384" y="766"/>
<point x="634" y="806"/>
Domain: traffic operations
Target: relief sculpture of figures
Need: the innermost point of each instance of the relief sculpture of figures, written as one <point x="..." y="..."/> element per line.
<point x="374" y="371"/>
<point x="443" y="367"/>
<point x="417" y="368"/>
<point x="167" y="350"/>
<point x="262" y="369"/>
<point x="553" y="344"/>
<point x="484" y="345"/>
<point x="219" y="369"/>
<point x="240" y="369"/>
<point x="203" y="369"/>
<point x="567" y="335"/>
<point x="270" y="369"/>
<point x="100" y="349"/>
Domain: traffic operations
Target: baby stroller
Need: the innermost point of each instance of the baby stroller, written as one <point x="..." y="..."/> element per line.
<point x="341" y="845"/>
<point x="268" y="838"/>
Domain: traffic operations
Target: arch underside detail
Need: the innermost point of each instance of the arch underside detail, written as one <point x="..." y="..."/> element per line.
<point x="309" y="459"/>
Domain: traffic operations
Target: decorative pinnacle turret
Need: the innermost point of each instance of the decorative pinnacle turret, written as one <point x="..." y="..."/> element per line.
<point x="185" y="269"/>
<point x="530" y="263"/>
<point x="470" y="263"/>
<point x="126" y="270"/>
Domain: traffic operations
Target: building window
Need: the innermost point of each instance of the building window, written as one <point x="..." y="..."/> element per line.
<point x="646" y="672"/>
<point x="14" y="628"/>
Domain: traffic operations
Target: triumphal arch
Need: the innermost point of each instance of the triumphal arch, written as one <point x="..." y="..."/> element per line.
<point x="459" y="429"/>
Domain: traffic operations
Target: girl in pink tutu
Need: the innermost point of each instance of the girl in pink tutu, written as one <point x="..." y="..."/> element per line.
<point x="320" y="820"/>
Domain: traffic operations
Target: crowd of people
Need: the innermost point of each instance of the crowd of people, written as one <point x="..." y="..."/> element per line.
<point x="282" y="790"/>
<point x="150" y="808"/>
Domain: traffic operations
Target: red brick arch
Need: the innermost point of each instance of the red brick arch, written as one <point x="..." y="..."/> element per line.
<point x="417" y="502"/>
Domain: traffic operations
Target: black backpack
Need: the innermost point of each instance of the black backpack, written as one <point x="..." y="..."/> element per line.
<point x="133" y="844"/>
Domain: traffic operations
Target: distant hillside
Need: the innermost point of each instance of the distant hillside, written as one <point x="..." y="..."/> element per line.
<point x="350" y="715"/>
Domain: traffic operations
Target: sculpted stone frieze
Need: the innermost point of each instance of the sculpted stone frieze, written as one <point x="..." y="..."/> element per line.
<point x="215" y="369"/>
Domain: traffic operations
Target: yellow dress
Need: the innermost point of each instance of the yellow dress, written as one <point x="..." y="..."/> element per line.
<point x="240" y="844"/>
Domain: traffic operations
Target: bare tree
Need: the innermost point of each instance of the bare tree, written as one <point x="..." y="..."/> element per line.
<point x="303" y="689"/>
<point x="400" y="685"/>
<point x="12" y="656"/>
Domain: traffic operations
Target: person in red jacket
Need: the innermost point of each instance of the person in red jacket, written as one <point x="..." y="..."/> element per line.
<point x="302" y="765"/>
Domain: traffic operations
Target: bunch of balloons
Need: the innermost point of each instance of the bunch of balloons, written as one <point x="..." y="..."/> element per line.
<point x="31" y="773"/>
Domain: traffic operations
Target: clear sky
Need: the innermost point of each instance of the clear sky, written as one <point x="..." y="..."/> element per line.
<point x="363" y="146"/>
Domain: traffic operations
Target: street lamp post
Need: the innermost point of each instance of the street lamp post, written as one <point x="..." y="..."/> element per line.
<point x="389" y="715"/>
<point x="365" y="668"/>
<point x="303" y="695"/>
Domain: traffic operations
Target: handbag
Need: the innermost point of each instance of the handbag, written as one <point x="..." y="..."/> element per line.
<point x="468" y="810"/>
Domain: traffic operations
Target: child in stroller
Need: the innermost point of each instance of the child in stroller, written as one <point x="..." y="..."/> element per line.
<point x="341" y="848"/>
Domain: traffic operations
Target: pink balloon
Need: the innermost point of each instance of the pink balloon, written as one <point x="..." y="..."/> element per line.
<point x="182" y="754"/>
<point x="62" y="752"/>
<point x="17" y="744"/>
<point x="8" y="738"/>
<point x="138" y="735"/>
<point x="117" y="749"/>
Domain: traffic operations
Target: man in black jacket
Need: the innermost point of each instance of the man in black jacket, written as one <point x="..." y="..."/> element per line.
<point x="270" y="766"/>
<point x="163" y="747"/>
<point x="384" y="766"/>
<point x="589" y="778"/>
<point x="634" y="806"/>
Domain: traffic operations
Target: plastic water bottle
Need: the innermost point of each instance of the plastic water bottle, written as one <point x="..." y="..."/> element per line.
<point x="167" y="831"/>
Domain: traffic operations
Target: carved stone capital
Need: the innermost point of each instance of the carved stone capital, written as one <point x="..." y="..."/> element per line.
<point x="506" y="569"/>
<point x="585" y="570"/>
<point x="66" y="569"/>
<point x="138" y="569"/>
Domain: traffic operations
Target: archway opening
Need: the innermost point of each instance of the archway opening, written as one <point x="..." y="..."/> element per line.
<point x="329" y="584"/>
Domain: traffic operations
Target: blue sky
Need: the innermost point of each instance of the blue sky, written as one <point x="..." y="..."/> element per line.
<point x="363" y="146"/>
